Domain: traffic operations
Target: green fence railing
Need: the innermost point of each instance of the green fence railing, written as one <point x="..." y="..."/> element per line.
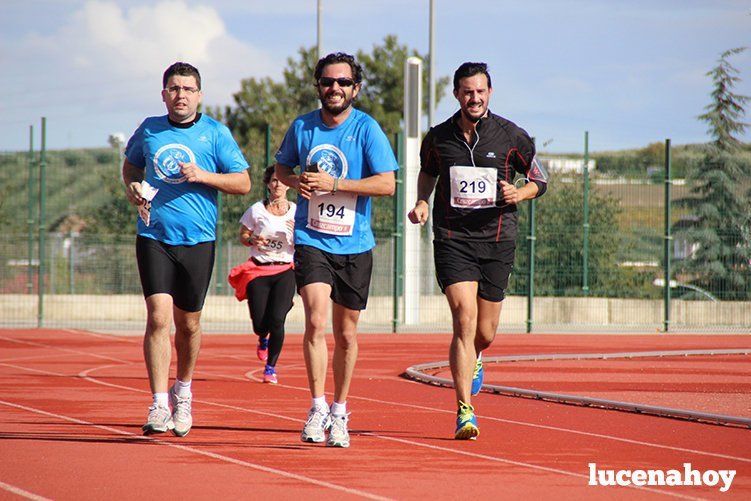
<point x="74" y="249"/>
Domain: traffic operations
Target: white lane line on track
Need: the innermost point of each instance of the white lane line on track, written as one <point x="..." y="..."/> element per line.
<point x="68" y="350"/>
<point x="22" y="493"/>
<point x="433" y="409"/>
<point x="30" y="357"/>
<point x="193" y="450"/>
<point x="84" y="375"/>
<point x="519" y="463"/>
<point x="540" y="426"/>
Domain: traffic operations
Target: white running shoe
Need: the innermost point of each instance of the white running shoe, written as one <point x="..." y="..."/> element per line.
<point x="338" y="434"/>
<point x="316" y="425"/>
<point x="159" y="420"/>
<point x="181" y="417"/>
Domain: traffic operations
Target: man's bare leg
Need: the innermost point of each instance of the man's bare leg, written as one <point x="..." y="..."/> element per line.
<point x="344" y="323"/>
<point x="157" y="347"/>
<point x="462" y="299"/>
<point x="316" y="301"/>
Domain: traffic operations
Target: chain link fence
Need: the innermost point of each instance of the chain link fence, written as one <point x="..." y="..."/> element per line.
<point x="74" y="211"/>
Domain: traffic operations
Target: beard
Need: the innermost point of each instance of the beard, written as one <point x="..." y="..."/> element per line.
<point x="335" y="109"/>
<point x="475" y="118"/>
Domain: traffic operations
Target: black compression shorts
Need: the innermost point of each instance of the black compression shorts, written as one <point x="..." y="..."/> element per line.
<point x="487" y="263"/>
<point x="182" y="271"/>
<point x="347" y="274"/>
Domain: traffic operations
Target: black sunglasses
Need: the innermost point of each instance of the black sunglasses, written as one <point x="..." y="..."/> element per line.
<point x="343" y="82"/>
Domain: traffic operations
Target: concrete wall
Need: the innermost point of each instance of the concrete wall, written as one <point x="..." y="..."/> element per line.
<point x="88" y="310"/>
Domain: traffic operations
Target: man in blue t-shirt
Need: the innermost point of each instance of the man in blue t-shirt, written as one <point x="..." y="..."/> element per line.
<point x="174" y="165"/>
<point x="344" y="159"/>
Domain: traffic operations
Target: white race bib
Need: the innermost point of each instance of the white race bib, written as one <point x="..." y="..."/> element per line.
<point x="473" y="187"/>
<point x="332" y="213"/>
<point x="277" y="247"/>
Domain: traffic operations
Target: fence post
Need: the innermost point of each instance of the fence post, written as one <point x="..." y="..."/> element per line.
<point x="72" y="262"/>
<point x="219" y="280"/>
<point x="30" y="216"/>
<point x="42" y="202"/>
<point x="268" y="157"/>
<point x="585" y="245"/>
<point x="398" y="233"/>
<point x="268" y="145"/>
<point x="531" y="265"/>
<point x="668" y="237"/>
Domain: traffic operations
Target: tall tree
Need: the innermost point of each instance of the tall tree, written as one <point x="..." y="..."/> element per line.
<point x="720" y="262"/>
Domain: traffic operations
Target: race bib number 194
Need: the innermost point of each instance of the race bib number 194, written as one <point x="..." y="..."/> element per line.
<point x="332" y="213"/>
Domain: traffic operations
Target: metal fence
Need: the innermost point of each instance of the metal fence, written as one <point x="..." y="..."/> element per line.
<point x="591" y="255"/>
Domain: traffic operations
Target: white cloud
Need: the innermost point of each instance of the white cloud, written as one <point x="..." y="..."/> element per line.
<point x="104" y="54"/>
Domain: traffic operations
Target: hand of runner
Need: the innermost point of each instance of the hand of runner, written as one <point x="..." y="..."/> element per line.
<point x="257" y="240"/>
<point x="318" y="181"/>
<point x="133" y="193"/>
<point x="420" y="213"/>
<point x="510" y="193"/>
<point x="192" y="172"/>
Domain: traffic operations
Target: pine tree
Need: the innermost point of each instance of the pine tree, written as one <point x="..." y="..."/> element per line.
<point x="720" y="207"/>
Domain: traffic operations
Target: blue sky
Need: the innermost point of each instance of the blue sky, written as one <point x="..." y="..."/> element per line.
<point x="630" y="72"/>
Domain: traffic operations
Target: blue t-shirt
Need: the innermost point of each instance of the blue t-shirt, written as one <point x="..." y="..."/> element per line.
<point x="182" y="213"/>
<point x="355" y="149"/>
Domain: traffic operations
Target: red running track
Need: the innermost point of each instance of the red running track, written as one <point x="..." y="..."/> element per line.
<point x="72" y="404"/>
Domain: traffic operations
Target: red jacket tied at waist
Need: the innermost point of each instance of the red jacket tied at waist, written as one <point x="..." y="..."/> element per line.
<point x="243" y="273"/>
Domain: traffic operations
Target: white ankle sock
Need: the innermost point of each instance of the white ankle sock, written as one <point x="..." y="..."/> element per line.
<point x="339" y="409"/>
<point x="161" y="399"/>
<point x="320" y="403"/>
<point x="182" y="388"/>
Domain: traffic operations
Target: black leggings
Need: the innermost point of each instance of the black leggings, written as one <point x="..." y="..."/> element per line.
<point x="269" y="301"/>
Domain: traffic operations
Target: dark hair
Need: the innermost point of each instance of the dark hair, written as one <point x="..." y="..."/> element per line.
<point x="339" y="57"/>
<point x="470" y="70"/>
<point x="182" y="69"/>
<point x="267" y="174"/>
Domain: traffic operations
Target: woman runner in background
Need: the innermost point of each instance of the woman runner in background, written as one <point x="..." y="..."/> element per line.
<point x="267" y="279"/>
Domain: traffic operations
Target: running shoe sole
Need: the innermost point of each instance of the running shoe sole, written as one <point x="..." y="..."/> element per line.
<point x="150" y="429"/>
<point x="467" y="432"/>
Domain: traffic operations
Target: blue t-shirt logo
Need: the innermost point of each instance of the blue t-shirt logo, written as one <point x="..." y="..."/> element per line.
<point x="330" y="159"/>
<point x="167" y="162"/>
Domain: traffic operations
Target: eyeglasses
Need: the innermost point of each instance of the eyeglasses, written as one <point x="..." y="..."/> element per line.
<point x="175" y="89"/>
<point x="343" y="82"/>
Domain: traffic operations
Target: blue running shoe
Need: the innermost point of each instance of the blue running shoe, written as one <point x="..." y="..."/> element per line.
<point x="466" y="423"/>
<point x="478" y="376"/>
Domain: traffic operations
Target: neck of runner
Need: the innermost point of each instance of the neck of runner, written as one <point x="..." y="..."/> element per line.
<point x="331" y="120"/>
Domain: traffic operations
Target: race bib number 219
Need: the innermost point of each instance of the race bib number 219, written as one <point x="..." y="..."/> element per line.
<point x="473" y="187"/>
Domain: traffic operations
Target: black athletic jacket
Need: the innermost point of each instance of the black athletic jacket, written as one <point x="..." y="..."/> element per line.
<point x="498" y="143"/>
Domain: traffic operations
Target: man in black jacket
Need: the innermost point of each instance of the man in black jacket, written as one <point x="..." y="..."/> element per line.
<point x="471" y="159"/>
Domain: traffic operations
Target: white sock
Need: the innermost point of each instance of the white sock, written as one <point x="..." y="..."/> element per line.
<point x="161" y="399"/>
<point x="339" y="409"/>
<point x="320" y="403"/>
<point x="182" y="388"/>
<point x="479" y="355"/>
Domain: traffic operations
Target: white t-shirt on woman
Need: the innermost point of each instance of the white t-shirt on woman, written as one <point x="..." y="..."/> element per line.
<point x="278" y="230"/>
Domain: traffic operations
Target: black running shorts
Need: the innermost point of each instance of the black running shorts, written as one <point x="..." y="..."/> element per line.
<point x="182" y="271"/>
<point x="347" y="274"/>
<point x="487" y="263"/>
